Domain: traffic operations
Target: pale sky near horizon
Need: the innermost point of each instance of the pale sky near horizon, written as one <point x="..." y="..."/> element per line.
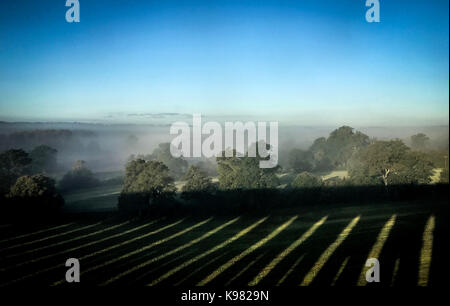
<point x="311" y="62"/>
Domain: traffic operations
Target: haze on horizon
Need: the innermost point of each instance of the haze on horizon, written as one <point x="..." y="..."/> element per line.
<point x="296" y="62"/>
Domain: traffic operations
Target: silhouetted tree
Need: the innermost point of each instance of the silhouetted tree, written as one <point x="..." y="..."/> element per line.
<point x="300" y="160"/>
<point x="43" y="159"/>
<point x="177" y="165"/>
<point x="306" y="180"/>
<point x="79" y="177"/>
<point x="34" y="194"/>
<point x="419" y="141"/>
<point x="146" y="183"/>
<point x="244" y="173"/>
<point x="13" y="164"/>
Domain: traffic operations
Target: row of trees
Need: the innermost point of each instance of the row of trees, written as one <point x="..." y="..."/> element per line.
<point x="25" y="184"/>
<point x="330" y="153"/>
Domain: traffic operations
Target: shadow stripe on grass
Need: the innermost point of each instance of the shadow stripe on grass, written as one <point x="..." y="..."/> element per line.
<point x="291" y="269"/>
<point x="186" y="245"/>
<point x="35" y="233"/>
<point x="339" y="272"/>
<point x="128" y="242"/>
<point x="286" y="252"/>
<point x="377" y="247"/>
<point x="48" y="237"/>
<point x="212" y="250"/>
<point x="60" y="243"/>
<point x="328" y="252"/>
<point x="248" y="251"/>
<point x="74" y="249"/>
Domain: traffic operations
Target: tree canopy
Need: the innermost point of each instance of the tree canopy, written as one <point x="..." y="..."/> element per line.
<point x="35" y="193"/>
<point x="419" y="141"/>
<point x="79" y="177"/>
<point x="390" y="162"/>
<point x="244" y="173"/>
<point x="13" y="164"/>
<point x="306" y="180"/>
<point x="44" y="159"/>
<point x="145" y="183"/>
<point x="177" y="165"/>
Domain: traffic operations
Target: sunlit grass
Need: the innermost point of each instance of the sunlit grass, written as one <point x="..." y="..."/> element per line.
<point x="50" y="237"/>
<point x="35" y="233"/>
<point x="244" y="269"/>
<point x="200" y="268"/>
<point x="186" y="245"/>
<point x="246" y="252"/>
<point x="328" y="252"/>
<point x="64" y="242"/>
<point x="341" y="269"/>
<point x="291" y="269"/>
<point x="286" y="252"/>
<point x="426" y="252"/>
<point x="138" y="250"/>
<point x="394" y="273"/>
<point x="74" y="249"/>
<point x="377" y="247"/>
<point x="212" y="250"/>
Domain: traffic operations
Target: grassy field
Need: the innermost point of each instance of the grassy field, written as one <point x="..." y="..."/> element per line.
<point x="309" y="246"/>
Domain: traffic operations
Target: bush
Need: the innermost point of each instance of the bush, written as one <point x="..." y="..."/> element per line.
<point x="78" y="178"/>
<point x="306" y="180"/>
<point x="34" y="195"/>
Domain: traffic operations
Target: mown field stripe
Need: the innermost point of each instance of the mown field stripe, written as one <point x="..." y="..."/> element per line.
<point x="426" y="253"/>
<point x="73" y="249"/>
<point x="394" y="273"/>
<point x="377" y="247"/>
<point x="248" y="251"/>
<point x="80" y="246"/>
<point x="145" y="248"/>
<point x="212" y="250"/>
<point x="200" y="268"/>
<point x="341" y="269"/>
<point x="35" y="233"/>
<point x="286" y="252"/>
<point x="186" y="245"/>
<point x="50" y="237"/>
<point x="244" y="269"/>
<point x="62" y="242"/>
<point x="291" y="269"/>
<point x="120" y="245"/>
<point x="328" y="252"/>
<point x="163" y="265"/>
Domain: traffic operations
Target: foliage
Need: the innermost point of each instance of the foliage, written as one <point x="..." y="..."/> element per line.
<point x="35" y="194"/>
<point x="244" y="172"/>
<point x="306" y="180"/>
<point x="177" y="165"/>
<point x="443" y="178"/>
<point x="419" y="141"/>
<point x="197" y="181"/>
<point x="13" y="164"/>
<point x="79" y="177"/>
<point x="145" y="183"/>
<point x="300" y="160"/>
<point x="343" y="143"/>
<point x="43" y="159"/>
<point x="328" y="153"/>
<point x="390" y="162"/>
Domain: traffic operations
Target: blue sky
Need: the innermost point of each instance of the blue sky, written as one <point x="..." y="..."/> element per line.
<point x="313" y="62"/>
